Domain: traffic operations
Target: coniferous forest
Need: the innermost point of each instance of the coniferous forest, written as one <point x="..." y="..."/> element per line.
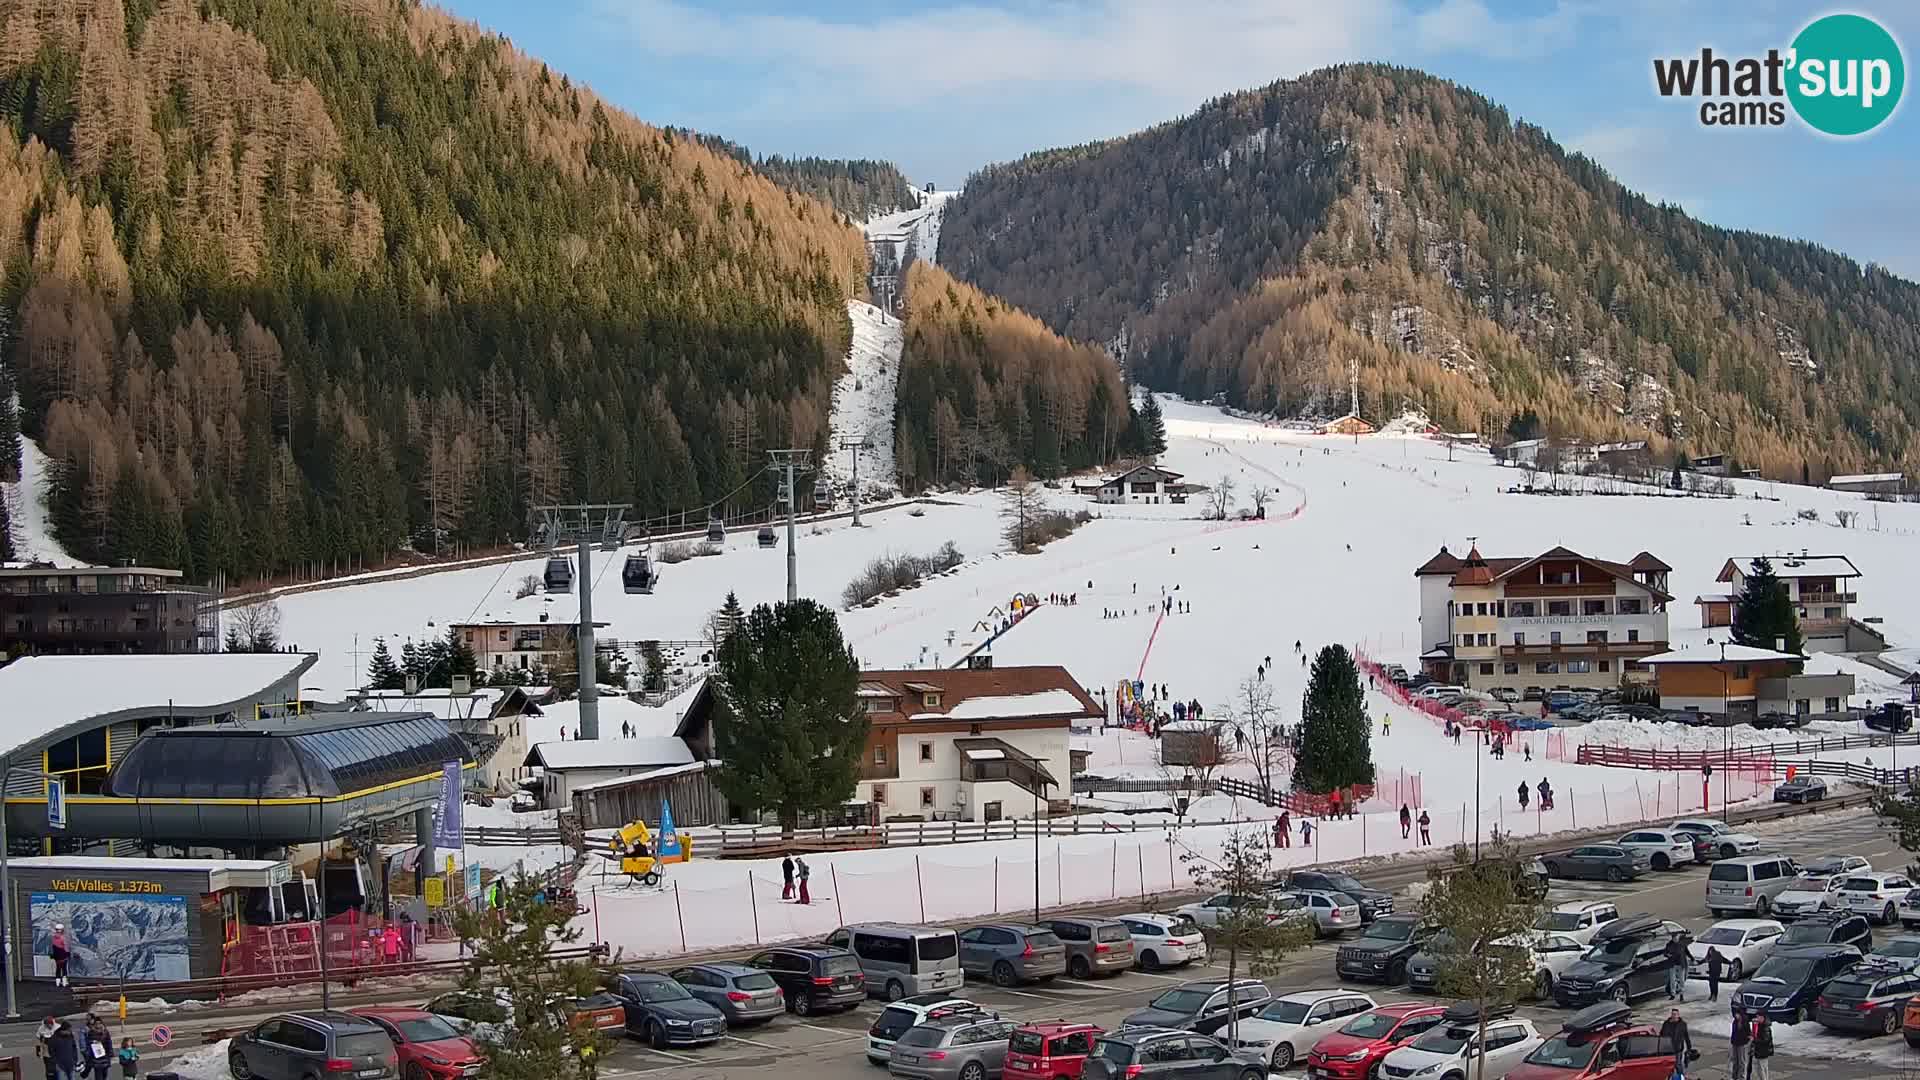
<point x="1470" y="266"/>
<point x="296" y="283"/>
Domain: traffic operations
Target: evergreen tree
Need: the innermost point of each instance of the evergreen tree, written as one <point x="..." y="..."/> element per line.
<point x="786" y="721"/>
<point x="6" y="531"/>
<point x="1763" y="616"/>
<point x="231" y="641"/>
<point x="731" y="616"/>
<point x="435" y="657"/>
<point x="382" y="672"/>
<point x="1336" y="745"/>
<point x="653" y="676"/>
<point x="1153" y="428"/>
<point x="9" y="416"/>
<point x="459" y="656"/>
<point x="413" y="664"/>
<point x="510" y="944"/>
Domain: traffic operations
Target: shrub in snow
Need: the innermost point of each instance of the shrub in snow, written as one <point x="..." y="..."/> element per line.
<point x="680" y="551"/>
<point x="890" y="572"/>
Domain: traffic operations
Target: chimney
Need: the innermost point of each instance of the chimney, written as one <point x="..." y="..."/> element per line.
<point x="1779" y="644"/>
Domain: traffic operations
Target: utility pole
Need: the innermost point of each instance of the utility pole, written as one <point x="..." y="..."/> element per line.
<point x="583" y="523"/>
<point x="792" y="462"/>
<point x="855" y="443"/>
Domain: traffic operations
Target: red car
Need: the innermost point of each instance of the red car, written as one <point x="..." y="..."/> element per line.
<point x="1600" y="1042"/>
<point x="430" y="1049"/>
<point x="1053" y="1050"/>
<point x="1354" y="1051"/>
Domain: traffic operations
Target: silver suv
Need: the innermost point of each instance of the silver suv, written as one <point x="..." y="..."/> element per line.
<point x="973" y="1046"/>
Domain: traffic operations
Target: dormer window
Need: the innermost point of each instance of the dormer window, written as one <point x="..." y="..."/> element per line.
<point x="931" y="701"/>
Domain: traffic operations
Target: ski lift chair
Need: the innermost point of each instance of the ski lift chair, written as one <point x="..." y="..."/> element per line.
<point x="767" y="539"/>
<point x="716" y="530"/>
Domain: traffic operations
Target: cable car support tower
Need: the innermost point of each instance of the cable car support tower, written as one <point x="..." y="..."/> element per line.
<point x="583" y="524"/>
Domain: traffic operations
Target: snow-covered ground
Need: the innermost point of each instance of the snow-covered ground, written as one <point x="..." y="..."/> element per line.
<point x="27" y="510"/>
<point x="863" y="400"/>
<point x="919" y="226"/>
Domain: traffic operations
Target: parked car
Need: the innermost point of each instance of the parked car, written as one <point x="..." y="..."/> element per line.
<point x="1579" y="919"/>
<point x="481" y="1016"/>
<point x="814" y="978"/>
<point x="1373" y="902"/>
<point x="1628" y="959"/>
<point x="1876" y="895"/>
<point x="1161" y="941"/>
<point x="1910" y="1023"/>
<point x="1868" y="998"/>
<point x="1455" y="1046"/>
<point x="1910" y="910"/>
<point x="1505" y="693"/>
<point x="1748" y="883"/>
<point x="295" y="1046"/>
<point x="1534" y="693"/>
<point x="745" y="995"/>
<point x="1721" y="841"/>
<point x="1831" y="928"/>
<point x="1891" y="716"/>
<point x="1600" y="1042"/>
<point x="1382" y="953"/>
<point x="1287" y="1027"/>
<point x="1563" y="699"/>
<point x="1808" y="894"/>
<point x="1166" y="1054"/>
<point x="1744" y="944"/>
<point x="1788" y="984"/>
<point x="965" y="1046"/>
<point x="900" y="1017"/>
<point x="663" y="1013"/>
<point x="1836" y="864"/>
<point x="1902" y="953"/>
<point x="1094" y="946"/>
<point x="1800" y="789"/>
<point x="1550" y="954"/>
<point x="1608" y="862"/>
<point x="1333" y="913"/>
<point x="898" y="960"/>
<point x="1664" y="850"/>
<point x="428" y="1047"/>
<point x="1423" y="968"/>
<point x="1012" y="953"/>
<point x="1052" y="1050"/>
<point x="1275" y="907"/>
<point x="1203" y="1005"/>
<point x="1355" y="1050"/>
<point x="1436" y="690"/>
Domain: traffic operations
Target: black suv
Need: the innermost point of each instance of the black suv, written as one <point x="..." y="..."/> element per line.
<point x="1830" y="928"/>
<point x="1204" y="1005"/>
<point x="1628" y="959"/>
<point x="1788" y="984"/>
<point x="304" y="1044"/>
<point x="1165" y="1054"/>
<point x="1373" y="902"/>
<point x="1381" y="954"/>
<point x="814" y="977"/>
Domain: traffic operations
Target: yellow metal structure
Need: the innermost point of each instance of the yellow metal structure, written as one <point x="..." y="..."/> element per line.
<point x="633" y="847"/>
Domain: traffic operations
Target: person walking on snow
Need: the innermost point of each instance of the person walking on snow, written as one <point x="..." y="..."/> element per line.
<point x="1677" y="960"/>
<point x="1306" y="833"/>
<point x="1283" y="829"/>
<point x="1675" y="1034"/>
<point x="1523" y="794"/>
<point x="1406" y="821"/>
<point x="1386" y="724"/>
<point x="1716" y="964"/>
<point x="57" y="949"/>
<point x="1425" y="837"/>
<point x="786" y="875"/>
<point x="800" y="870"/>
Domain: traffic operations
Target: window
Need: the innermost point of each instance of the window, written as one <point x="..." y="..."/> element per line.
<point x="1481" y="609"/>
<point x="1606" y="666"/>
<point x="926" y="751"/>
<point x="1579" y="667"/>
<point x="926" y="796"/>
<point x="1486" y="669"/>
<point x="1633" y="635"/>
<point x="1833" y="705"/>
<point x="503" y="636"/>
<point x="1629" y="605"/>
<point x="879" y="704"/>
<point x="1483" y="640"/>
<point x="1830" y="613"/>
<point x="1593" y="607"/>
<point x="1546" y="667"/>
<point x="1519" y="638"/>
<point x="1596" y="637"/>
<point x="1466" y="640"/>
<point x="1500" y="608"/>
<point x="1510" y="668"/>
<point x="1525" y="609"/>
<point x="1554" y="638"/>
<point x="1740" y="671"/>
<point x="879" y="755"/>
<point x="931" y="701"/>
<point x="1559" y="607"/>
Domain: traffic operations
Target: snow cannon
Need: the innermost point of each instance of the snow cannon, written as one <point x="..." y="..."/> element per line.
<point x="640" y="858"/>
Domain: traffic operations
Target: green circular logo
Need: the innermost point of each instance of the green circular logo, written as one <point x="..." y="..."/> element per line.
<point x="1847" y="75"/>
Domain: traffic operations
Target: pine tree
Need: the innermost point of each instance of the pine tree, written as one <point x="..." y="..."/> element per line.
<point x="511" y="944"/>
<point x="6" y="531"/>
<point x="1336" y="745"/>
<point x="459" y="655"/>
<point x="413" y="664"/>
<point x="1763" y="616"/>
<point x="1153" y="428"/>
<point x="382" y="672"/>
<point x="653" y="676"/>
<point x="785" y="720"/>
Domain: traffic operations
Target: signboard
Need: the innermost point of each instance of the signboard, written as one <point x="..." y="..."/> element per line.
<point x="449" y="866"/>
<point x="473" y="879"/>
<point x="56" y="803"/>
<point x="436" y="892"/>
<point x="130" y="938"/>
<point x="160" y="1036"/>
<point x="447" y="831"/>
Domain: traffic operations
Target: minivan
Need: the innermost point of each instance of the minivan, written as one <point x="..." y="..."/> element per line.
<point x="1748" y="883"/>
<point x="902" y="960"/>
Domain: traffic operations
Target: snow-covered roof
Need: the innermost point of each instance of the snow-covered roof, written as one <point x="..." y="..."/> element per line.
<point x="442" y="703"/>
<point x="1620" y="447"/>
<point x="650" y="774"/>
<point x="1868" y="478"/>
<point x="1711" y="654"/>
<point x="986" y="754"/>
<point x="1043" y="703"/>
<point x="1793" y="566"/>
<point x="45" y="694"/>
<point x="1524" y="444"/>
<point x="615" y="753"/>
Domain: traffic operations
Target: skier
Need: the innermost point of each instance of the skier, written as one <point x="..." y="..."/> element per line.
<point x="1425" y="837"/>
<point x="800" y="870"/>
<point x="1333" y="803"/>
<point x="1523" y="794"/>
<point x="786" y="874"/>
<point x="1406" y="821"/>
<point x="1526" y="751"/>
<point x="1456" y="734"/>
<point x="1306" y="832"/>
<point x="1280" y="827"/>
<point x="1546" y="794"/>
<point x="1386" y="724"/>
<point x="57" y="948"/>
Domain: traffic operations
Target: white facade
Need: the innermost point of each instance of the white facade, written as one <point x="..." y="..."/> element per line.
<point x="1145" y="484"/>
<point x="931" y="768"/>
<point x="1821" y="588"/>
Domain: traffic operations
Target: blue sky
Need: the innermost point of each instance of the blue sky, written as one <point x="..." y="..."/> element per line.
<point x="943" y="88"/>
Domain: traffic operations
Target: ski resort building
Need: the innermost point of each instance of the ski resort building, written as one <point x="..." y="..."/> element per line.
<point x="491" y="720"/>
<point x="1822" y="591"/>
<point x="46" y="609"/>
<point x="1892" y="483"/>
<point x="503" y="643"/>
<point x="1557" y="619"/>
<point x="1141" y="484"/>
<point x="571" y="764"/>
<point x="1740" y="682"/>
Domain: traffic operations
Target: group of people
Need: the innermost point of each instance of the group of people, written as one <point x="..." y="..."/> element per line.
<point x="1750" y="1045"/>
<point x="1065" y="599"/>
<point x="73" y="1051"/>
<point x="794" y="870"/>
<point x="1546" y="794"/>
<point x="1407" y="822"/>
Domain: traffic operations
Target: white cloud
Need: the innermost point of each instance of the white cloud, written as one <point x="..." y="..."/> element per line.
<point x="1467" y="26"/>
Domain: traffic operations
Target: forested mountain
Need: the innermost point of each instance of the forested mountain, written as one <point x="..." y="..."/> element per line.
<point x="295" y="282"/>
<point x="984" y="387"/>
<point x="857" y="187"/>
<point x="1466" y="262"/>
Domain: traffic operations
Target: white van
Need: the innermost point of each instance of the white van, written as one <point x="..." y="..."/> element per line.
<point x="900" y="961"/>
<point x="1748" y="883"/>
<point x="1434" y="690"/>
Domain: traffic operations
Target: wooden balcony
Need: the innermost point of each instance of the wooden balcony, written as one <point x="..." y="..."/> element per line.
<point x="1583" y="648"/>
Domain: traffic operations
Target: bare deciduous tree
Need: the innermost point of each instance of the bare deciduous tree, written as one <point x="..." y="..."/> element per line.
<point x="1192" y="753"/>
<point x="1255" y="721"/>
<point x="254" y="627"/>
<point x="1221" y="497"/>
<point x="1261" y="494"/>
<point x="1022" y="502"/>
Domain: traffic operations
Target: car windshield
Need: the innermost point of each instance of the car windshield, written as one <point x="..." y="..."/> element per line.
<point x="1043" y="939"/>
<point x="935" y="947"/>
<point x="1111" y="932"/>
<point x="426" y="1029"/>
<point x="1824" y="867"/>
<point x="1727" y="872"/>
<point x="1181" y="1001"/>
<point x="840" y="965"/>
<point x="1722" y="935"/>
<point x="1285" y="1012"/>
<point x="1444" y="1040"/>
<point x="660" y="990"/>
<point x="1810" y="883"/>
<point x="1816" y="933"/>
<point x="1345" y="883"/>
<point x="1390" y="931"/>
<point x="1561" y="1052"/>
<point x="1558" y="920"/>
<point x="363" y="1044"/>
<point x="1860" y="884"/>
<point x="892" y="1022"/>
<point x="1183" y="924"/>
<point x="1791" y="970"/>
<point x="1370" y="1025"/>
<point x="1905" y="946"/>
<point x="923" y="1036"/>
<point x="471" y="1008"/>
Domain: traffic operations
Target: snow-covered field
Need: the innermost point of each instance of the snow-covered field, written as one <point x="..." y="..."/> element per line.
<point x="863" y="399"/>
<point x="27" y="510"/>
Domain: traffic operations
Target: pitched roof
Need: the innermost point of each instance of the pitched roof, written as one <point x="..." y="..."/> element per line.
<point x="1474" y="571"/>
<point x="1003" y="692"/>
<point x="658" y="750"/>
<point x="1498" y="568"/>
<point x="1743" y="654"/>
<point x="1646" y="560"/>
<point x="1446" y="562"/>
<point x="1792" y="566"/>
<point x="45" y="694"/>
<point x="1868" y="478"/>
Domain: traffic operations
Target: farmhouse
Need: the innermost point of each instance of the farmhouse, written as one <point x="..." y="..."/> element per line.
<point x="1142" y="484"/>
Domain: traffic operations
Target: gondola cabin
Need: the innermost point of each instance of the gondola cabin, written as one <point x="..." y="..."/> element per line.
<point x="559" y="575"/>
<point x="822" y="493"/>
<point x="767" y="539"/>
<point x="638" y="575"/>
<point x="716" y="531"/>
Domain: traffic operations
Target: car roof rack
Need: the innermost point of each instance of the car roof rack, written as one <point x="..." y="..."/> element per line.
<point x="1595" y="1019"/>
<point x="1628" y="926"/>
<point x="1466" y="1012"/>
